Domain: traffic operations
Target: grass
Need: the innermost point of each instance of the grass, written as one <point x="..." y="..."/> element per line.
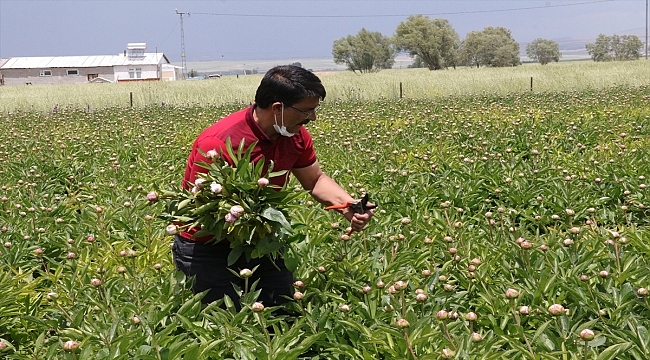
<point x="345" y="86"/>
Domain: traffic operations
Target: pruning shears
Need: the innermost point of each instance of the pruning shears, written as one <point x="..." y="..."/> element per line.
<point x="357" y="206"/>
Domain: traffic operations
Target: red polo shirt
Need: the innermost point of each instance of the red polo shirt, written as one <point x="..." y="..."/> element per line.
<point x="286" y="152"/>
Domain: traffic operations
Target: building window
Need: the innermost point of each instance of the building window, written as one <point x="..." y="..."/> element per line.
<point x="138" y="73"/>
<point x="46" y="72"/>
<point x="72" y="72"/>
<point x="131" y="73"/>
<point x="92" y="76"/>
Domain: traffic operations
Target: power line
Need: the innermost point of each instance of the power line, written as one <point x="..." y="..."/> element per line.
<point x="402" y="15"/>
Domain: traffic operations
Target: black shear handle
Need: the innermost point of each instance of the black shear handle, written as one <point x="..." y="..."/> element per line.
<point x="361" y="206"/>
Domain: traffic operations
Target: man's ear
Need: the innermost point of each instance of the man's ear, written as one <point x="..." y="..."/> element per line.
<point x="276" y="107"/>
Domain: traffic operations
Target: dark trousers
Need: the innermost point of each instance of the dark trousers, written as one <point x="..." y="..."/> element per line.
<point x="208" y="263"/>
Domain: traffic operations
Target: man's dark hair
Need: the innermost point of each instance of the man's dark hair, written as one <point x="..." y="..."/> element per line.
<point x="288" y="84"/>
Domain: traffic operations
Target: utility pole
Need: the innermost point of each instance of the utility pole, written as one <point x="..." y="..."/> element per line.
<point x="183" y="62"/>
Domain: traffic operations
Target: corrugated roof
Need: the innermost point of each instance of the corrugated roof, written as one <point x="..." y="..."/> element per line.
<point x="81" y="61"/>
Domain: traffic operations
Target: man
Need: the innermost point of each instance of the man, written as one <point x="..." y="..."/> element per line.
<point x="287" y="99"/>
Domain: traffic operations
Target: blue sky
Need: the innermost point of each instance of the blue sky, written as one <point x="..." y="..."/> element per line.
<point x="263" y="30"/>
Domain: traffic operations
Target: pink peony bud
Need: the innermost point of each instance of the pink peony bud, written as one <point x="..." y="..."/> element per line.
<point x="587" y="335"/>
<point x="402" y="323"/>
<point x="212" y="154"/>
<point x="476" y="337"/>
<point x="257" y="307"/>
<point x="344" y="308"/>
<point x="216" y="188"/>
<point x="298" y="295"/>
<point x="556" y="310"/>
<point x="471" y="316"/>
<point x="152" y="196"/>
<point x="237" y="210"/>
<point x="70" y="345"/>
<point x="230" y="218"/>
<point x="263" y="182"/>
<point x="512" y="294"/>
<point x="400" y="285"/>
<point x="442" y="315"/>
<point x="245" y="273"/>
<point x="95" y="282"/>
<point x="172" y="229"/>
<point x="448" y="353"/>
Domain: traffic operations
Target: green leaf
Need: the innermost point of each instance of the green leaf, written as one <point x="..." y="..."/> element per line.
<point x="276" y="215"/>
<point x="235" y="254"/>
<point x="613" y="351"/>
<point x="597" y="341"/>
<point x="291" y="259"/>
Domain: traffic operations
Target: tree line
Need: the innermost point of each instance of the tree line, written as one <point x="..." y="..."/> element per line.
<point x="433" y="43"/>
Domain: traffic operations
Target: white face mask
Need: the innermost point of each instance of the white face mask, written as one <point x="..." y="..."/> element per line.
<point x="283" y="129"/>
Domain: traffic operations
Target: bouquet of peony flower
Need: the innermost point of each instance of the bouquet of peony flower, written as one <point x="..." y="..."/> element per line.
<point x="235" y="203"/>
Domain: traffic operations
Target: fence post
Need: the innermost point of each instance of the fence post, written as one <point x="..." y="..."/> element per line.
<point x="531" y="83"/>
<point x="131" y="98"/>
<point x="400" y="89"/>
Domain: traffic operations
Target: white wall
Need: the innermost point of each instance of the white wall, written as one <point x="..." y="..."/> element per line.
<point x="148" y="72"/>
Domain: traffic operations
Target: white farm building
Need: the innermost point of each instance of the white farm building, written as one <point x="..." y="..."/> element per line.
<point x="134" y="64"/>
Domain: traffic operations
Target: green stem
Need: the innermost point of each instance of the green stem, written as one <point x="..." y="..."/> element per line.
<point x="518" y="321"/>
<point x="410" y="346"/>
<point x="262" y="323"/>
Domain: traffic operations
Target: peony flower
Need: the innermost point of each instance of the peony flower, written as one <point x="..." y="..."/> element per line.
<point x="152" y="196"/>
<point x="245" y="273"/>
<point x="262" y="182"/>
<point x="402" y="323"/>
<point x="587" y="335"/>
<point x="70" y="345"/>
<point x="172" y="229"/>
<point x="257" y="307"/>
<point x="556" y="310"/>
<point x="237" y="211"/>
<point x="230" y="218"/>
<point x="476" y="337"/>
<point x="212" y="154"/>
<point x="442" y="315"/>
<point x="512" y="294"/>
<point x="448" y="353"/>
<point x="216" y="188"/>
